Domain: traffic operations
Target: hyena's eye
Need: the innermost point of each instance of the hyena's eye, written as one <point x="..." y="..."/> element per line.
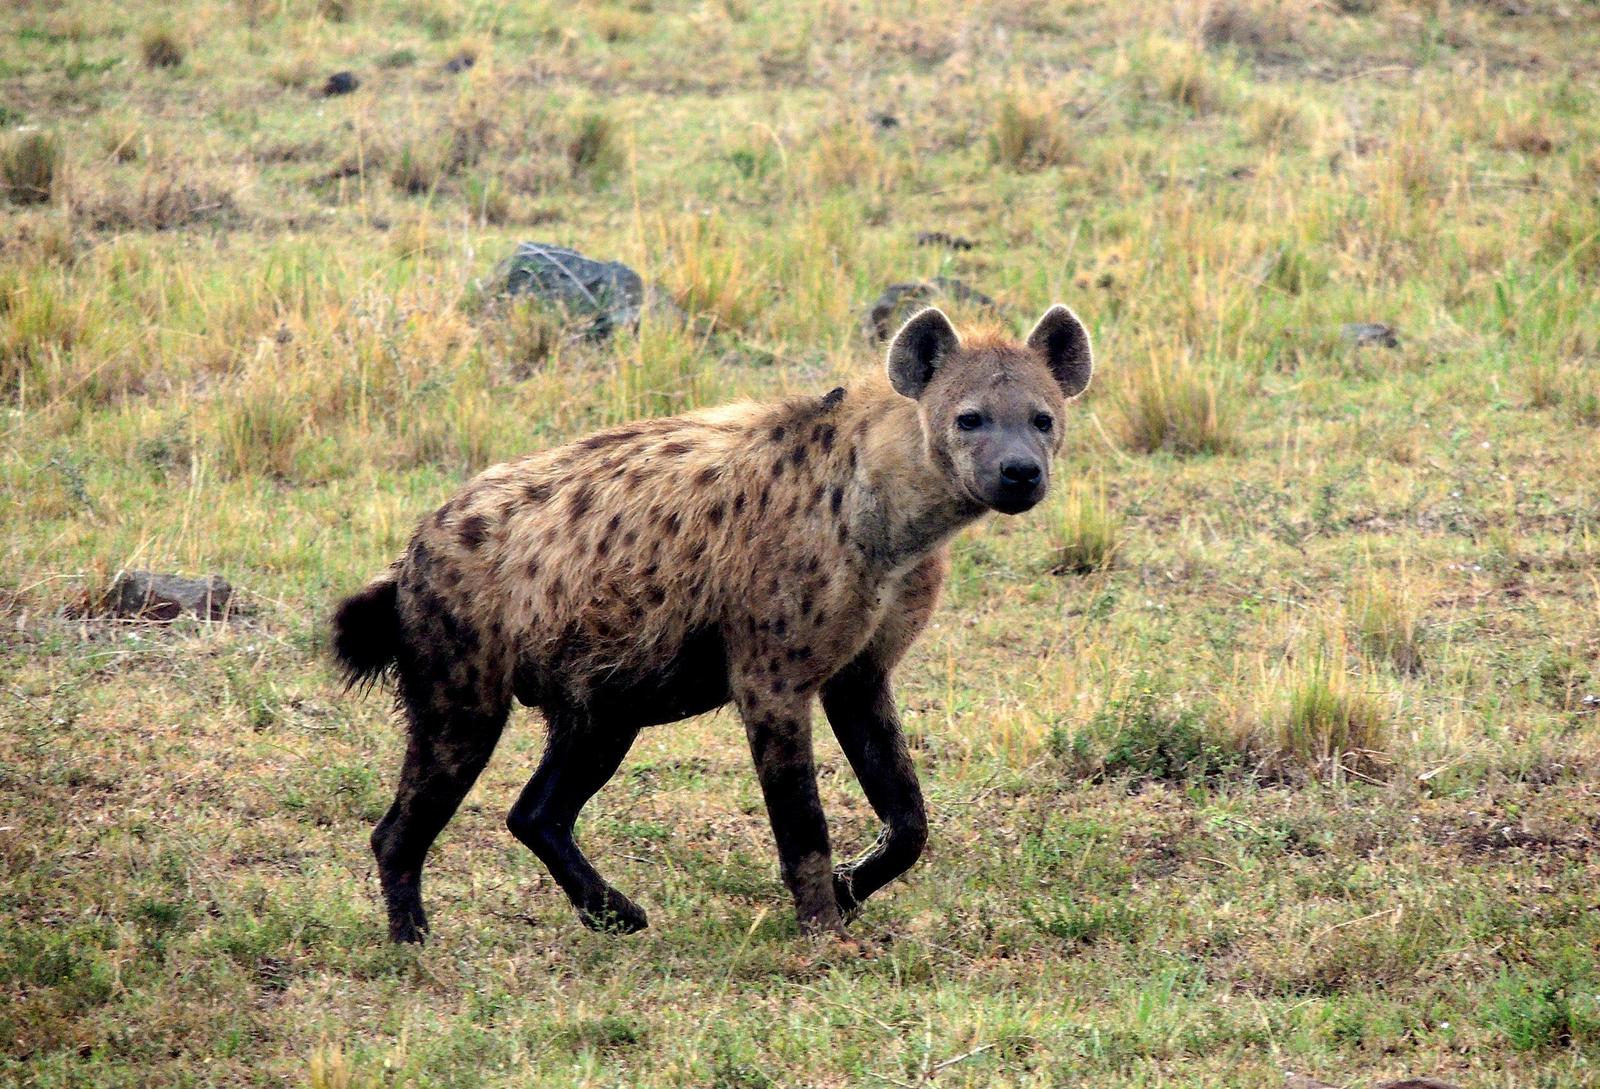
<point x="1043" y="422"/>
<point x="969" y="421"/>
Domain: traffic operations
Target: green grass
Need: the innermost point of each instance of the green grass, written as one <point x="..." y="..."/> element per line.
<point x="1267" y="744"/>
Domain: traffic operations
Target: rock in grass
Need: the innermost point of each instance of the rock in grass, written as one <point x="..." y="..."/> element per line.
<point x="608" y="293"/>
<point x="340" y="83"/>
<point x="1366" y="334"/>
<point x="899" y="301"/>
<point x="148" y="595"/>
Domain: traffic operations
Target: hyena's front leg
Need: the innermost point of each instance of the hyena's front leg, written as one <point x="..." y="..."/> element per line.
<point x="779" y="729"/>
<point x="860" y="707"/>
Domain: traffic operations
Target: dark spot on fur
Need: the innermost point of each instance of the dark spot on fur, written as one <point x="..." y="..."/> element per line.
<point x="609" y="438"/>
<point x="837" y="500"/>
<point x="778" y="433"/>
<point x="611" y="526"/>
<point x="778" y="686"/>
<point x="844" y="532"/>
<point x="715" y="514"/>
<point x="794" y="507"/>
<point x="536" y="493"/>
<point x="630" y="538"/>
<point x="805" y="605"/>
<point x="772" y="665"/>
<point x="532" y="569"/>
<point x="780" y="626"/>
<point x="473" y="530"/>
<point x="777" y="469"/>
<point x="671" y="524"/>
<point x="655" y="594"/>
<point x="816" y="496"/>
<point x="825" y="437"/>
<point x="766" y="497"/>
<point x="708" y="475"/>
<point x="650" y="570"/>
<point x="798" y="456"/>
<point x="852" y="457"/>
<point x="673" y="449"/>
<point x="602" y="547"/>
<point x="578" y="506"/>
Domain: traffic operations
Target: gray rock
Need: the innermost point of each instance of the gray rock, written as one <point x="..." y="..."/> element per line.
<point x="610" y="293"/>
<point x="340" y="83"/>
<point x="148" y="595"/>
<point x="899" y="301"/>
<point x="1364" y="334"/>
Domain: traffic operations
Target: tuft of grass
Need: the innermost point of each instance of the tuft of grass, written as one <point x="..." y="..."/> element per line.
<point x="162" y="46"/>
<point x="30" y="166"/>
<point x="1251" y="26"/>
<point x="1027" y="134"/>
<point x="1179" y="407"/>
<point x="594" y="152"/>
<point x="1386" y="620"/>
<point x="1276" y="120"/>
<point x="707" y="274"/>
<point x="1323" y="722"/>
<point x="1084" y="531"/>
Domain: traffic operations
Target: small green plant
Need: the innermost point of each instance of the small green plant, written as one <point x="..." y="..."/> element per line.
<point x="1178" y="407"/>
<point x="29" y="166"/>
<point x="1145" y="733"/>
<point x="1083" y="924"/>
<point x="1084" y="530"/>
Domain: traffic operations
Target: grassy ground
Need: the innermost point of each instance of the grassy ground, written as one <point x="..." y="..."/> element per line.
<point x="1270" y="745"/>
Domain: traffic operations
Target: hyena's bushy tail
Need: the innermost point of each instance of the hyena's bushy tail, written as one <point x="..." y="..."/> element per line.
<point x="366" y="631"/>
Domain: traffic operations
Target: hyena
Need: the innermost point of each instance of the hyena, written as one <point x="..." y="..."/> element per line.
<point x="765" y="554"/>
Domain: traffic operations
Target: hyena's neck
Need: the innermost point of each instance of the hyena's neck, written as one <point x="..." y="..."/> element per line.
<point x="902" y="504"/>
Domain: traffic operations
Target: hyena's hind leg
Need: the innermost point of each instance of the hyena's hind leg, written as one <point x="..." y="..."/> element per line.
<point x="579" y="758"/>
<point x="453" y="731"/>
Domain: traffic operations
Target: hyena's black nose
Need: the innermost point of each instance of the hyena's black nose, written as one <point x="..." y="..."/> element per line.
<point x="1019" y="474"/>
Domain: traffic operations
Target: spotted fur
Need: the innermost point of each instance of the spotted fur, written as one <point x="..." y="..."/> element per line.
<point x="764" y="554"/>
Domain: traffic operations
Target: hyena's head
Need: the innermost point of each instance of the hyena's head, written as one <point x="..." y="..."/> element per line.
<point x="991" y="407"/>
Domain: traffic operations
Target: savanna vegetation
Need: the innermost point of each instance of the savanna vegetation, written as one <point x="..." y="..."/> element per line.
<point x="1270" y="745"/>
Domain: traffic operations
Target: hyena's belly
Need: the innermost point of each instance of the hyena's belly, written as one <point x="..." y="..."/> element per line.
<point x="687" y="681"/>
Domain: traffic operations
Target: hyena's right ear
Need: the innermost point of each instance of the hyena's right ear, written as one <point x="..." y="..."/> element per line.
<point x="918" y="349"/>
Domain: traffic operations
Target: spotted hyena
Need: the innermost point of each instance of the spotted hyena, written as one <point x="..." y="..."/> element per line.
<point x="764" y="554"/>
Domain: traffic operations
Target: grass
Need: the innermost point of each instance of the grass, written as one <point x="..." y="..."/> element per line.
<point x="1266" y="743"/>
<point x="29" y="165"/>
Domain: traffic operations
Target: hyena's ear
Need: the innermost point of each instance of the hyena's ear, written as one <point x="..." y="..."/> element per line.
<point x="1063" y="341"/>
<point x="918" y="349"/>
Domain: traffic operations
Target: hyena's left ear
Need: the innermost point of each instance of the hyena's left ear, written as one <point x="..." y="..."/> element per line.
<point x="1063" y="341"/>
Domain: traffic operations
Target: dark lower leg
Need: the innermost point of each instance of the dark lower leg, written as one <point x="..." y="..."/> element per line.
<point x="781" y="746"/>
<point x="437" y="774"/>
<point x="578" y="761"/>
<point x="860" y="708"/>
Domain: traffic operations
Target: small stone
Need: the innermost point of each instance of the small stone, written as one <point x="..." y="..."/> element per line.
<point x="1370" y="334"/>
<point x="340" y="83"/>
<point x="149" y="595"/>
<point x="460" y="63"/>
